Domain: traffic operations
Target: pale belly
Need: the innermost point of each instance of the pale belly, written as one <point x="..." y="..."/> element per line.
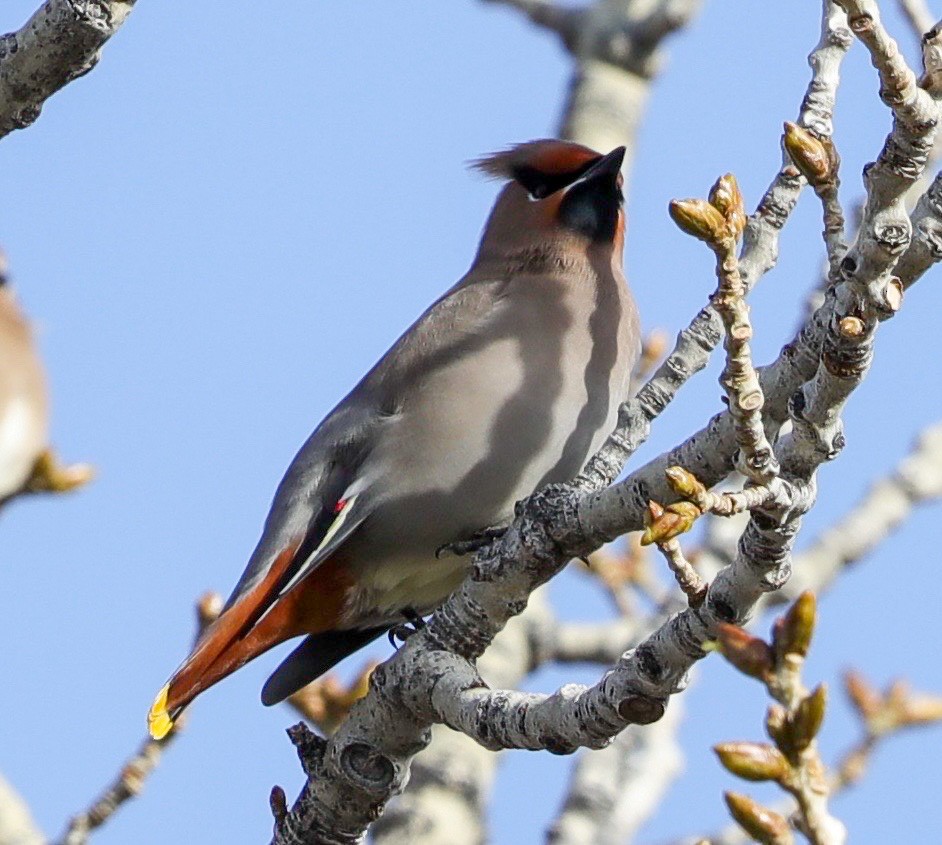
<point x="414" y="582"/>
<point x="21" y="439"/>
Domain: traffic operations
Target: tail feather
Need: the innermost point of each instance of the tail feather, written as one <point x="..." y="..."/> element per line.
<point x="316" y="654"/>
<point x="231" y="641"/>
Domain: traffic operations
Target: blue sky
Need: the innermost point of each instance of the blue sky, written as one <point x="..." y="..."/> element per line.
<point x="223" y="225"/>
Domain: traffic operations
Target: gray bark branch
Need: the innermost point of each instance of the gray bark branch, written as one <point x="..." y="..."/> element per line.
<point x="433" y="678"/>
<point x="59" y="43"/>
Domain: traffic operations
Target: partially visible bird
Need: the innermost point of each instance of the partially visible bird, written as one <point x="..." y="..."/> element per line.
<point x="26" y="463"/>
<point x="507" y="383"/>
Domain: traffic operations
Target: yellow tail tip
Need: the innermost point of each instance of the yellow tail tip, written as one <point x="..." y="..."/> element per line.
<point x="159" y="722"/>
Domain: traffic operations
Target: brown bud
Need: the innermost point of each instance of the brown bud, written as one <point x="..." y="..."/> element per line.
<point x="865" y="698"/>
<point x="673" y="520"/>
<point x="726" y="198"/>
<point x="753" y="760"/>
<point x="326" y="702"/>
<point x="808" y="717"/>
<point x="851" y="327"/>
<point x="655" y="345"/>
<point x="698" y="218"/>
<point x="897" y="694"/>
<point x="684" y="483"/>
<point x="893" y="295"/>
<point x="653" y="513"/>
<point x="683" y="515"/>
<point x="762" y="824"/>
<point x="792" y="632"/>
<point x="278" y="802"/>
<point x="922" y="710"/>
<point x="749" y="654"/>
<point x="778" y="726"/>
<point x="811" y="155"/>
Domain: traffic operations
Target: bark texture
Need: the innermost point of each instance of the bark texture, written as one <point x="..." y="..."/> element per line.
<point x="59" y="43"/>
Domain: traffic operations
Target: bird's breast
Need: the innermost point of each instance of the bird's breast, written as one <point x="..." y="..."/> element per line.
<point x="520" y="404"/>
<point x="22" y="437"/>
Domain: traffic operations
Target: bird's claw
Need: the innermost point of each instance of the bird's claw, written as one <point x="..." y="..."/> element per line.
<point x="400" y="633"/>
<point x="474" y="543"/>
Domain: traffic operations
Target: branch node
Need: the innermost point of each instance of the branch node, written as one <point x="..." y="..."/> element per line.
<point x="309" y="745"/>
<point x="366" y="766"/>
<point x="640" y="709"/>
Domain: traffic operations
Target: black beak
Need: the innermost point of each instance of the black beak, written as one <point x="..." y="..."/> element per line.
<point x="607" y="167"/>
<point x="592" y="204"/>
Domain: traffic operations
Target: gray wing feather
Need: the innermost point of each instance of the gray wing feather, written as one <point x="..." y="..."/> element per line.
<point x="327" y="464"/>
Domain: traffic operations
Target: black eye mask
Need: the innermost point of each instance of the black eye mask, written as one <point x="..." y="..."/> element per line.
<point x="540" y="185"/>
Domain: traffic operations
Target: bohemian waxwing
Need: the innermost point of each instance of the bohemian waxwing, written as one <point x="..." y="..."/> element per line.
<point x="508" y="382"/>
<point x="27" y="465"/>
<point x="24" y="415"/>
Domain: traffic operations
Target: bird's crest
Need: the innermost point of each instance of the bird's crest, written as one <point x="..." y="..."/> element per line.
<point x="541" y="167"/>
<point x="548" y="156"/>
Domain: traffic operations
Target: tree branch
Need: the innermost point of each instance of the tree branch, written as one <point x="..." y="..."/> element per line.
<point x="708" y="454"/>
<point x="60" y="42"/>
<point x="615" y="790"/>
<point x="130" y="780"/>
<point x="918" y="15"/>
<point x="887" y="504"/>
<point x="617" y="46"/>
<point x="634" y="691"/>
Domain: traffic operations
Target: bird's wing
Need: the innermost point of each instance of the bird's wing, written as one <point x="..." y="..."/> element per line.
<point x="310" y="516"/>
<point x="323" y="498"/>
<point x="317" y="654"/>
<point x="316" y="507"/>
<point x="344" y="497"/>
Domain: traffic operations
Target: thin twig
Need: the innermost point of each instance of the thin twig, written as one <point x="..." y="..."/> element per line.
<point x="135" y="771"/>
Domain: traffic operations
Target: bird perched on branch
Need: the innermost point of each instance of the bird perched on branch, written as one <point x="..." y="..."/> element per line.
<point x="508" y="382"/>
<point x="27" y="464"/>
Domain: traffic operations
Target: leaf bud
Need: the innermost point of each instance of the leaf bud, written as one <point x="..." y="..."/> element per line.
<point x="698" y="218"/>
<point x="750" y="655"/>
<point x="808" y="717"/>
<point x="684" y="483"/>
<point x="792" y="632"/>
<point x="673" y="520"/>
<point x="726" y="198"/>
<point x="810" y="154"/>
<point x="753" y="760"/>
<point x="762" y="824"/>
<point x="866" y="700"/>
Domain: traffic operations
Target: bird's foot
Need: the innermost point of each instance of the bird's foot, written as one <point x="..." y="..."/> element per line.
<point x="400" y="633"/>
<point x="474" y="543"/>
<point x="49" y="475"/>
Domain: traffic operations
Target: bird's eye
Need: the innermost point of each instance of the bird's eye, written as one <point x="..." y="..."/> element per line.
<point x="535" y="183"/>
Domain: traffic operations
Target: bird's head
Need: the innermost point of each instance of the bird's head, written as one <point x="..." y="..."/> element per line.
<point x="557" y="190"/>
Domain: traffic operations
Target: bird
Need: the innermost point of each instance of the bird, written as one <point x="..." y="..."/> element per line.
<point x="506" y="383"/>
<point x="24" y="406"/>
<point x="27" y="463"/>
